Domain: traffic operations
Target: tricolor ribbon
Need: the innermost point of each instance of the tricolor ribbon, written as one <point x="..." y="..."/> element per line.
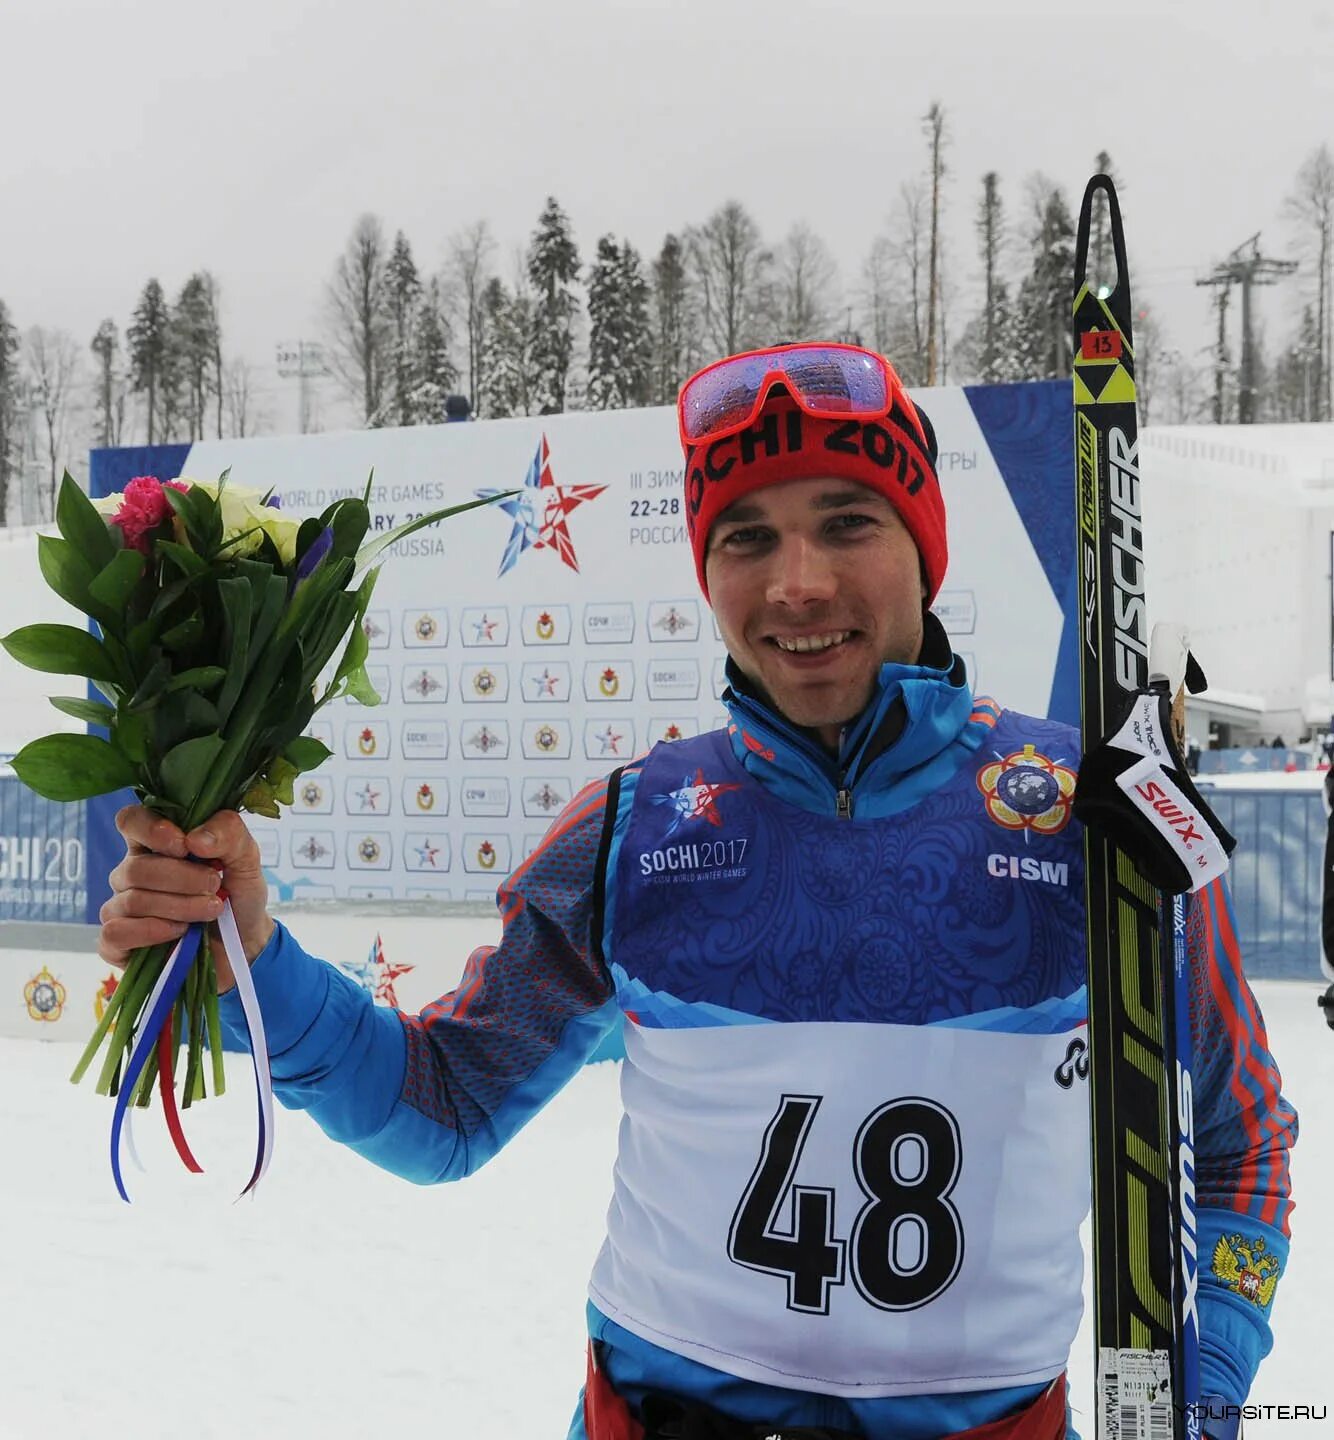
<point x="156" y="1032"/>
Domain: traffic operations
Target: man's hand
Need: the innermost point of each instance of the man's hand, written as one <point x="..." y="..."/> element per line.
<point x="157" y="891"/>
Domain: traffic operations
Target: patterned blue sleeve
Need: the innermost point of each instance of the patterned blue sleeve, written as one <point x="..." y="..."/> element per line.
<point x="1244" y="1129"/>
<point x="433" y="1096"/>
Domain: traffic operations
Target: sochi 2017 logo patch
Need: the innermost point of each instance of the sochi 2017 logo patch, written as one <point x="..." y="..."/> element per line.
<point x="1027" y="791"/>
<point x="696" y="799"/>
<point x="1247" y="1268"/>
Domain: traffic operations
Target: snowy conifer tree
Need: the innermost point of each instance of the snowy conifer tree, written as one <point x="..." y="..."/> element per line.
<point x="675" y="342"/>
<point x="1042" y="312"/>
<point x="434" y="375"/>
<point x="403" y="298"/>
<point x="149" y="341"/>
<point x="507" y="362"/>
<point x="553" y="268"/>
<point x="620" y="345"/>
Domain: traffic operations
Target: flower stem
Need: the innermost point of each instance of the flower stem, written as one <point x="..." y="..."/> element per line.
<point x="109" y="1014"/>
<point x="196" y="986"/>
<point x="140" y="988"/>
<point x="214" y="1022"/>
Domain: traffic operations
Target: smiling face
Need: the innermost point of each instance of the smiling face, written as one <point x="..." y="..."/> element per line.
<point x="815" y="584"/>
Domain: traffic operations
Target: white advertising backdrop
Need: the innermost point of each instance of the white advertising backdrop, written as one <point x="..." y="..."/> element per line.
<point x="528" y="648"/>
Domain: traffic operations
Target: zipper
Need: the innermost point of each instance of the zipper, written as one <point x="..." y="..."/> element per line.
<point x="843" y="803"/>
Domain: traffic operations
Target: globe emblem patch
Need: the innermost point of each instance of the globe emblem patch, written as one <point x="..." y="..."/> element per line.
<point x="1028" y="791"/>
<point x="426" y="627"/>
<point x="311" y="794"/>
<point x="44" y="996"/>
<point x="484" y="682"/>
<point x="369" y="850"/>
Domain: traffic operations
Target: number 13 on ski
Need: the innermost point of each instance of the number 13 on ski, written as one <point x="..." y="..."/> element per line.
<point x="1144" y="1319"/>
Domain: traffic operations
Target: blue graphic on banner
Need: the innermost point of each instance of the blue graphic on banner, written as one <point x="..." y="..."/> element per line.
<point x="112" y="470"/>
<point x="43" y="870"/>
<point x="1030" y="431"/>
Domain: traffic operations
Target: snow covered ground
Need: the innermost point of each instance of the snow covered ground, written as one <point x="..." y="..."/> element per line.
<point x="344" y="1303"/>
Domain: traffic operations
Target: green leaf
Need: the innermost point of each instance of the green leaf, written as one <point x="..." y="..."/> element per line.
<point x="60" y="650"/>
<point x="130" y="736"/>
<point x="358" y="647"/>
<point x="86" y="530"/>
<point x="92" y="711"/>
<point x="372" y="548"/>
<point x="152" y="686"/>
<point x="235" y="594"/>
<point x="306" y="753"/>
<point x="73" y="767"/>
<point x="350" y="522"/>
<point x="189" y="715"/>
<point x="186" y="767"/>
<point x="261" y="799"/>
<point x="182" y="636"/>
<point x="65" y="571"/>
<point x="202" y="678"/>
<point x="280" y="775"/>
<point x="185" y="559"/>
<point x="358" y="685"/>
<point x="113" y="585"/>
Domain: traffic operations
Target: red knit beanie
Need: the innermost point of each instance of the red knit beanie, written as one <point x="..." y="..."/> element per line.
<point x="895" y="455"/>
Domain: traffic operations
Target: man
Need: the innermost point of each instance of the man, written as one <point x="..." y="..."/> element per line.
<point x="847" y="934"/>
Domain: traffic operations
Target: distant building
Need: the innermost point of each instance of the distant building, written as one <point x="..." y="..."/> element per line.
<point x="1238" y="527"/>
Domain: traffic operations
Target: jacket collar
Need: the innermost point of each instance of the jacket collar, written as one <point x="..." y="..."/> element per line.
<point x="916" y="712"/>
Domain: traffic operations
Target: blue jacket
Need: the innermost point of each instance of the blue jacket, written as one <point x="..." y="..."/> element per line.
<point x="433" y="1096"/>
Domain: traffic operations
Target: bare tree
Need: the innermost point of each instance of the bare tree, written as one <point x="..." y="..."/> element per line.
<point x="934" y="125"/>
<point x="238" y="388"/>
<point x="468" y="267"/>
<point x="878" y="294"/>
<point x="355" y="305"/>
<point x="910" y="237"/>
<point x="730" y="267"/>
<point x="804" y="290"/>
<point x="52" y="358"/>
<point x="1310" y="210"/>
<point x="11" y="388"/>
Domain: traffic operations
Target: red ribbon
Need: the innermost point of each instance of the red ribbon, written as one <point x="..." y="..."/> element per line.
<point x="166" y="1085"/>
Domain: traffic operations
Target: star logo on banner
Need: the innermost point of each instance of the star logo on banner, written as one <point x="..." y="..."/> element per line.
<point x="426" y="854"/>
<point x="610" y="740"/>
<point x="546" y="684"/>
<point x="540" y="512"/>
<point x="485" y="628"/>
<point x="368" y="797"/>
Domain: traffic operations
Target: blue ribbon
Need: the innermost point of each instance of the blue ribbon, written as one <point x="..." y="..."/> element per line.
<point x="179" y="967"/>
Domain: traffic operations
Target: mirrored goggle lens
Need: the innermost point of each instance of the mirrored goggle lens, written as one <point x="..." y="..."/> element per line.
<point x="830" y="382"/>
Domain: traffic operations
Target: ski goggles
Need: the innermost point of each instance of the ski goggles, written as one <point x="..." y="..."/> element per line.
<point x="827" y="380"/>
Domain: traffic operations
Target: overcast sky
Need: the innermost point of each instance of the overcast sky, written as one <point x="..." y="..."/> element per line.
<point x="155" y="137"/>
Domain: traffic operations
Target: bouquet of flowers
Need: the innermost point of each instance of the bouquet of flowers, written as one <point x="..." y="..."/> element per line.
<point x="219" y="618"/>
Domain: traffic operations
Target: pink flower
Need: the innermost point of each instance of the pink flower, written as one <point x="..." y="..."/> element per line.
<point x="143" y="508"/>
